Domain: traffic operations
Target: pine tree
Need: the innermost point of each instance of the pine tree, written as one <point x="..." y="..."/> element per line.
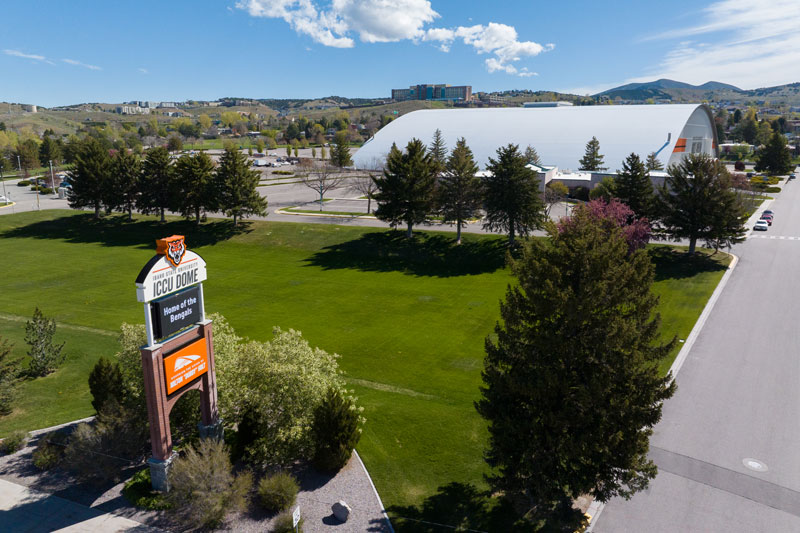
<point x="634" y="188"/>
<point x="340" y="150"/>
<point x="405" y="192"/>
<point x="90" y="175"/>
<point x="592" y="160"/>
<point x="775" y="157"/>
<point x="195" y="185"/>
<point x="697" y="202"/>
<point x="438" y="151"/>
<point x="156" y="185"/>
<point x="532" y="156"/>
<point x="512" y="200"/>
<point x="235" y="185"/>
<point x="459" y="192"/>
<point x="104" y="383"/>
<point x="336" y="430"/>
<point x="45" y="356"/>
<point x="653" y="163"/>
<point x="126" y="173"/>
<point x="571" y="385"/>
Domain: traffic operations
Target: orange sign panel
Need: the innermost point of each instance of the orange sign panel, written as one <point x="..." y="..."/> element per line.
<point x="186" y="364"/>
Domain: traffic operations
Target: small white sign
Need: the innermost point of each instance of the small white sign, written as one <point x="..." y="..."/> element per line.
<point x="296" y="516"/>
<point x="159" y="277"/>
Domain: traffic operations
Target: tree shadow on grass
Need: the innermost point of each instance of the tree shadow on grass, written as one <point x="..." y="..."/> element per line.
<point x="462" y="507"/>
<point x="427" y="254"/>
<point x="118" y="231"/>
<point x="677" y="264"/>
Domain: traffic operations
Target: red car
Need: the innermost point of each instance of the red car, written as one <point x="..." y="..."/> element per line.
<point x="767" y="219"/>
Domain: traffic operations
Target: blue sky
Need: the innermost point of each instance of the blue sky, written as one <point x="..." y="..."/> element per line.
<point x="57" y="52"/>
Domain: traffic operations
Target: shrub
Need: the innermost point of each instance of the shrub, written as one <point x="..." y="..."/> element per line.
<point x="14" y="442"/>
<point x="202" y="485"/>
<point x="336" y="430"/>
<point x="45" y="190"/>
<point x="104" y="383"/>
<point x="278" y="491"/>
<point x="139" y="491"/>
<point x="49" y="450"/>
<point x="739" y="165"/>
<point x="45" y="356"/>
<point x="34" y="187"/>
<point x="23" y="183"/>
<point x="283" y="523"/>
<point x="580" y="193"/>
<point x="283" y="172"/>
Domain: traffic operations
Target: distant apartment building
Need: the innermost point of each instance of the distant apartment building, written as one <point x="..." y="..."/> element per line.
<point x="30" y="108"/>
<point x="491" y="98"/>
<point x="132" y="110"/>
<point x="433" y="92"/>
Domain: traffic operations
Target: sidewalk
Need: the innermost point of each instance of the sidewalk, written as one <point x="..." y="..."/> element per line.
<point x="29" y="510"/>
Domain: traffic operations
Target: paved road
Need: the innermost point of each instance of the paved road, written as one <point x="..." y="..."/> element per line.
<point x="728" y="445"/>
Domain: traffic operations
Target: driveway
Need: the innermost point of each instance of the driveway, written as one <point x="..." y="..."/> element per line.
<point x="727" y="445"/>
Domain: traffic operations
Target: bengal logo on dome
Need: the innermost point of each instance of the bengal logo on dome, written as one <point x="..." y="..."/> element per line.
<point x="173" y="247"/>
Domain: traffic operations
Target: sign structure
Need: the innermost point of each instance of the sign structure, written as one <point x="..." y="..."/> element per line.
<point x="175" y="312"/>
<point x="296" y="517"/>
<point x="170" y="287"/>
<point x="185" y="364"/>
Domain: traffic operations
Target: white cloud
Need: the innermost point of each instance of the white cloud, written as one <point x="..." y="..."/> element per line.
<point x="79" y="64"/>
<point x="380" y="21"/>
<point x="755" y="44"/>
<point x="17" y="53"/>
<point x="143" y="70"/>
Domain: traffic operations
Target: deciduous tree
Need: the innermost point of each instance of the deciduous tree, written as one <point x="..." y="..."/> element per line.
<point x="321" y="178"/>
<point x="775" y="158"/>
<point x="512" y="200"/>
<point x="555" y="192"/>
<point x="571" y="385"/>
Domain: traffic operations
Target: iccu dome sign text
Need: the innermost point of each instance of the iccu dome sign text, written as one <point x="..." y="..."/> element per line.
<point x="173" y="269"/>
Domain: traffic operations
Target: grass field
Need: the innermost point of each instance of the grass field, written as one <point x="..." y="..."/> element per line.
<point x="409" y="319"/>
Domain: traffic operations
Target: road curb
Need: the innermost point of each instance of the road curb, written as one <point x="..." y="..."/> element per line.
<point x="375" y="491"/>
<point x="596" y="510"/>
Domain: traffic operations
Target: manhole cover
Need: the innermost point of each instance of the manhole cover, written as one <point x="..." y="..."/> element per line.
<point x="754" y="464"/>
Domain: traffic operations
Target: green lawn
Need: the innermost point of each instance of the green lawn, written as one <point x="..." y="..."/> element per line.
<point x="409" y="319"/>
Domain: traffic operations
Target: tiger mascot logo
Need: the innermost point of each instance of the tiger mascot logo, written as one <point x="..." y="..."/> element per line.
<point x="174" y="248"/>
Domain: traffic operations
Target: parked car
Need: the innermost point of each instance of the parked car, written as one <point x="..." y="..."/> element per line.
<point x="767" y="219"/>
<point x="761" y="225"/>
<point x="3" y="199"/>
<point x="792" y="176"/>
<point x="768" y="212"/>
<point x="749" y="174"/>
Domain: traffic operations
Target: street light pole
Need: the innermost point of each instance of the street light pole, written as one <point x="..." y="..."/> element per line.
<point x="19" y="165"/>
<point x="52" y="180"/>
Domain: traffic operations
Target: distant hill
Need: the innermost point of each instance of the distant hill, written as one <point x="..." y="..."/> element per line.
<point x="672" y="91"/>
<point x="664" y="83"/>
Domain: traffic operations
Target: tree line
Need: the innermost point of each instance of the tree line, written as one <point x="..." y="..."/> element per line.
<point x="193" y="185"/>
<point x="697" y="200"/>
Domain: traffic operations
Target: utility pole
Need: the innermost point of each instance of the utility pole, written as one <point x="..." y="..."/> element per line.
<point x="52" y="179"/>
<point x="19" y="165"/>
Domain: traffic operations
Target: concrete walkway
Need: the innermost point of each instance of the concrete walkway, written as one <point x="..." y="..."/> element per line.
<point x="29" y="510"/>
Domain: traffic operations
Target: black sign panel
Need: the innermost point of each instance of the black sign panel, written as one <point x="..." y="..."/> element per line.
<point x="175" y="312"/>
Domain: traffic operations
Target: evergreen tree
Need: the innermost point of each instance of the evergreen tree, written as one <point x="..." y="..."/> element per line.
<point x="195" y="185"/>
<point x="340" y="150"/>
<point x="8" y="376"/>
<point x="235" y="186"/>
<point x="459" y="192"/>
<point x="156" y="184"/>
<point x="123" y="191"/>
<point x="45" y="356"/>
<point x="775" y="157"/>
<point x="697" y="202"/>
<point x="50" y="150"/>
<point x="405" y="192"/>
<point x="90" y="175"/>
<point x="634" y="188"/>
<point x="512" y="199"/>
<point x="571" y="384"/>
<point x="532" y="156"/>
<point x="653" y="163"/>
<point x="104" y="384"/>
<point x="592" y="160"/>
<point x="438" y="151"/>
<point x="336" y="430"/>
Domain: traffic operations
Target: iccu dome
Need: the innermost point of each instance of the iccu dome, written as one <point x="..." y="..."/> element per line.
<point x="559" y="134"/>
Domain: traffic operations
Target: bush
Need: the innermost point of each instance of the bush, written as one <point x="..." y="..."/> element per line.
<point x="283" y="172"/>
<point x="45" y="356"/>
<point x="278" y="491"/>
<point x="139" y="491"/>
<point x="739" y="165"/>
<point x="283" y="523"/>
<point x="336" y="430"/>
<point x="23" y="183"/>
<point x="14" y="442"/>
<point x="202" y="485"/>
<point x="34" y="187"/>
<point x="580" y="193"/>
<point x="104" y="383"/>
<point x="49" y="450"/>
<point x="45" y="190"/>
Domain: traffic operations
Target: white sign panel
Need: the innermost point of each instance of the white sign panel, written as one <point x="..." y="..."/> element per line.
<point x="296" y="516"/>
<point x="159" y="277"/>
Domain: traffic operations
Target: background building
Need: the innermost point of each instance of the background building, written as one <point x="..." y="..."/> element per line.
<point x="559" y="134"/>
<point x="433" y="92"/>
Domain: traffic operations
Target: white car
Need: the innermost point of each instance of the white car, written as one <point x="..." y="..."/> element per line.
<point x="3" y="199"/>
<point x="761" y="225"/>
